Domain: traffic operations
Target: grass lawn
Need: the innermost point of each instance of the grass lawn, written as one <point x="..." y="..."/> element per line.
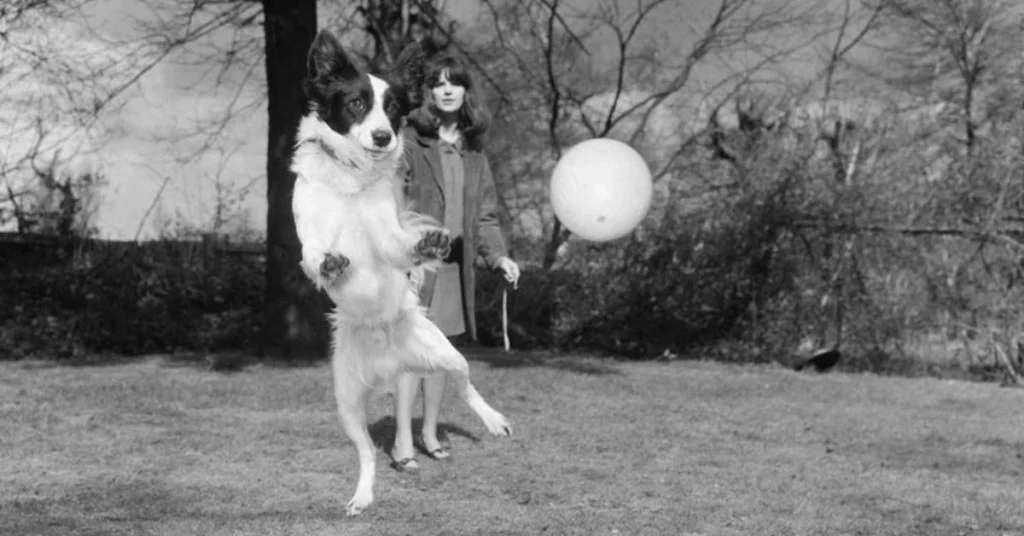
<point x="601" y="447"/>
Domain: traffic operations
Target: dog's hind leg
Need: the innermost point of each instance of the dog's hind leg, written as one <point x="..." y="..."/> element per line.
<point x="430" y="351"/>
<point x="353" y="419"/>
<point x="351" y="396"/>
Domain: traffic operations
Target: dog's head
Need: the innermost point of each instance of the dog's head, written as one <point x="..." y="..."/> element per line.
<point x="365" y="108"/>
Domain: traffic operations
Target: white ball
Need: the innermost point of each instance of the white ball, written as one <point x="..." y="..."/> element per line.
<point x="601" y="189"/>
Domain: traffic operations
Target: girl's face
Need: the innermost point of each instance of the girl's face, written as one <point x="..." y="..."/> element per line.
<point x="448" y="97"/>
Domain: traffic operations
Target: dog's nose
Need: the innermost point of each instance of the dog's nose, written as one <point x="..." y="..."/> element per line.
<point x="381" y="138"/>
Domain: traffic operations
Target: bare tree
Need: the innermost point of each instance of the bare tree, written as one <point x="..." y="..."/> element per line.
<point x="565" y="93"/>
<point x="954" y="50"/>
<point x="64" y="78"/>
<point x="391" y="25"/>
<point x="924" y="181"/>
<point x="45" y="100"/>
<point x="295" y="327"/>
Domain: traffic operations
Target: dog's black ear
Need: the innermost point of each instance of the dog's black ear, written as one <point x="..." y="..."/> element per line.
<point x="327" y="58"/>
<point x="410" y="69"/>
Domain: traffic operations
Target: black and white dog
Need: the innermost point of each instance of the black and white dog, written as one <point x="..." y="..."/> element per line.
<point x="361" y="247"/>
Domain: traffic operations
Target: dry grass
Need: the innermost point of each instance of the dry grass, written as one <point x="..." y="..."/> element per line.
<point x="602" y="447"/>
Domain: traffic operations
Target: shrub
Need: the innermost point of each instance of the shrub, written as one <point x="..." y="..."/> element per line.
<point x="130" y="300"/>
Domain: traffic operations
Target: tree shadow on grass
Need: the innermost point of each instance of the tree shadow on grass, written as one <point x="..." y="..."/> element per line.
<point x="495" y="357"/>
<point x="126" y="505"/>
<point x="498" y="358"/>
<point x="229" y="361"/>
<point x="219" y="361"/>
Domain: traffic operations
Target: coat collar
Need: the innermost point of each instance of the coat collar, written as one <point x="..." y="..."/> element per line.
<point x="423" y="139"/>
<point x="432" y="155"/>
<point x="426" y="140"/>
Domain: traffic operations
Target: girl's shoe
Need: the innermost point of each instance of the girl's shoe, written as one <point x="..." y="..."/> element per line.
<point x="440" y="454"/>
<point x="405" y="465"/>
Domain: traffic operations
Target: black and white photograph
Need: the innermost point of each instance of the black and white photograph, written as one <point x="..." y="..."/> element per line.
<point x="512" y="267"/>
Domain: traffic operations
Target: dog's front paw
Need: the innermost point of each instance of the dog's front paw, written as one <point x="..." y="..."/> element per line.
<point x="435" y="244"/>
<point x="333" y="265"/>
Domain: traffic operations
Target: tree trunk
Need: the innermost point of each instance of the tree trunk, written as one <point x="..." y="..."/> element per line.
<point x="296" y="326"/>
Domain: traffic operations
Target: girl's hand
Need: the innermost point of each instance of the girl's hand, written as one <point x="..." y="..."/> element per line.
<point x="509" y="269"/>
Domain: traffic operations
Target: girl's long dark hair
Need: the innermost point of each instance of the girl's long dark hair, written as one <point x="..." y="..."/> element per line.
<point x="473" y="117"/>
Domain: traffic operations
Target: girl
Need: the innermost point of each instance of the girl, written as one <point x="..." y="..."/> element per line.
<point x="447" y="176"/>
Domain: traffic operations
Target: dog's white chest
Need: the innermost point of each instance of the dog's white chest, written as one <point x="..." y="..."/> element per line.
<point x="360" y="227"/>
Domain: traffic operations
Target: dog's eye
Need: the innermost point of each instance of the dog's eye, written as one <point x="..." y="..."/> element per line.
<point x="392" y="109"/>
<point x="357" y="104"/>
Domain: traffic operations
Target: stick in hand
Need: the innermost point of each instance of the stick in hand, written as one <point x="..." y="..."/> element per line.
<point x="504" y="312"/>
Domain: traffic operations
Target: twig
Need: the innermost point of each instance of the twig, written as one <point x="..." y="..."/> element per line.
<point x="1010" y="369"/>
<point x="145" y="216"/>
<point x="504" y="316"/>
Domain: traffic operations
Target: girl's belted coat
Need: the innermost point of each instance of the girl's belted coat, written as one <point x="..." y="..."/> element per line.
<point x="423" y="187"/>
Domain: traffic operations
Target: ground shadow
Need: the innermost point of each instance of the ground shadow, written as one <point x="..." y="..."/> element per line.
<point x="236" y="361"/>
<point x="499" y="358"/>
<point x="383" y="432"/>
<point x="240" y="361"/>
<point x="217" y="361"/>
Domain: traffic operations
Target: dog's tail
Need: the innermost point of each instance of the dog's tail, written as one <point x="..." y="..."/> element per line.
<point x="430" y="351"/>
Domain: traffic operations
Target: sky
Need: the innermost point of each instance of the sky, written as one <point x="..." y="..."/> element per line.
<point x="161" y="178"/>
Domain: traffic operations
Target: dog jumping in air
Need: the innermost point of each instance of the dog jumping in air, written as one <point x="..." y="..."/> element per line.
<point x="360" y="247"/>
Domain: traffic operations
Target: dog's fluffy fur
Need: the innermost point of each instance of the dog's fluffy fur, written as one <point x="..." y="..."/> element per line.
<point x="360" y="247"/>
